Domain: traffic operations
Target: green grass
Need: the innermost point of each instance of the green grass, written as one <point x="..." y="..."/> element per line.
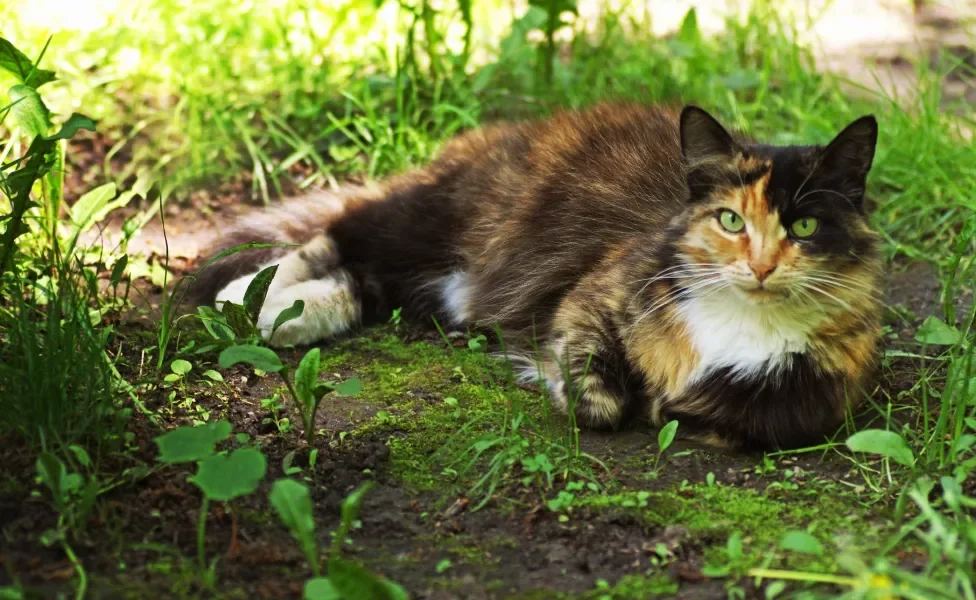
<point x="283" y="96"/>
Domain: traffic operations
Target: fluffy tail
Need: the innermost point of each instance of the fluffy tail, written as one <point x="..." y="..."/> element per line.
<point x="292" y="223"/>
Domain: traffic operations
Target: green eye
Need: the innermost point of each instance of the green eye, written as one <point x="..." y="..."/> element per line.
<point x="804" y="228"/>
<point x="731" y="221"/>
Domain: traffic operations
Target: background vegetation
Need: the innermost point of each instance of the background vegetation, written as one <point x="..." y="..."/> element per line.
<point x="158" y="108"/>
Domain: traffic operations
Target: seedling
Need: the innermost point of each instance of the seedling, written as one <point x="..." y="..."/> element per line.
<point x="665" y="437"/>
<point x="306" y="391"/>
<point x="74" y="498"/>
<point x="220" y="477"/>
<point x="346" y="580"/>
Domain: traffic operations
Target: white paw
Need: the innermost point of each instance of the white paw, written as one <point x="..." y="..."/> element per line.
<point x="330" y="308"/>
<point x="234" y="292"/>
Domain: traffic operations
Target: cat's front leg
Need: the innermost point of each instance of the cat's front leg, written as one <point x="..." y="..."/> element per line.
<point x="586" y="371"/>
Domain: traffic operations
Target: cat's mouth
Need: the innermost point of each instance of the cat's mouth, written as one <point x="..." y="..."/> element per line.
<point x="763" y="294"/>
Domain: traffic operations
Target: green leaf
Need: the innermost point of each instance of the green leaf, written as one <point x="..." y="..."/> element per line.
<point x="96" y="205"/>
<point x="349" y="513"/>
<point x="733" y="547"/>
<point x="52" y="472"/>
<point x="257" y="291"/>
<point x="352" y="580"/>
<point x="478" y="343"/>
<point x="81" y="455"/>
<point x="293" y="503"/>
<point x="29" y="111"/>
<point x="443" y="565"/>
<point x="322" y="389"/>
<point x="213" y="375"/>
<point x="665" y="437"/>
<point x="689" y="32"/>
<point x="307" y="377"/>
<point x="288" y="314"/>
<point x="349" y="387"/>
<point x="118" y="270"/>
<point x="19" y="185"/>
<point x="215" y="323"/>
<point x="17" y="63"/>
<point x="180" y="366"/>
<point x="224" y="478"/>
<point x="190" y="444"/>
<point x="256" y="356"/>
<point x="320" y="588"/>
<point x="801" y="541"/>
<point x="238" y="320"/>
<point x="936" y="332"/>
<point x="885" y="443"/>
<point x="555" y="7"/>
<point x="70" y="127"/>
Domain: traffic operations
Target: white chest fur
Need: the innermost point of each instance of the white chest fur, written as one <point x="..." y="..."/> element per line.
<point x="731" y="330"/>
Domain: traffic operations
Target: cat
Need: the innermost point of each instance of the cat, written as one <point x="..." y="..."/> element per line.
<point x="667" y="268"/>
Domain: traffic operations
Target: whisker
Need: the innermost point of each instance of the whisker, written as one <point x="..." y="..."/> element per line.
<point x="863" y="290"/>
<point x="675" y="295"/>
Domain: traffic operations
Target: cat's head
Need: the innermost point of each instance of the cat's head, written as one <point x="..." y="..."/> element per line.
<point x="777" y="223"/>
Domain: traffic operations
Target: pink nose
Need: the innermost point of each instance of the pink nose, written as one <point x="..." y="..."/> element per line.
<point x="762" y="271"/>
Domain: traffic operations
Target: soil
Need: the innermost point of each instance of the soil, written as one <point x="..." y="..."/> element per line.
<point x="142" y="542"/>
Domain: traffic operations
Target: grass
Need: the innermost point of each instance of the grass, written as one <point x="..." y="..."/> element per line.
<point x="264" y="100"/>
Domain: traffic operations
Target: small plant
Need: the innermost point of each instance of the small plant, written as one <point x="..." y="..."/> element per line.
<point x="665" y="437"/>
<point x="346" y="580"/>
<point x="306" y="391"/>
<point x="396" y="318"/>
<point x="74" y="497"/>
<point x="220" y="477"/>
<point x="273" y="405"/>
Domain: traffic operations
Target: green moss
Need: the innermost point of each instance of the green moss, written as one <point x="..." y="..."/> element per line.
<point x="712" y="514"/>
<point x="634" y="586"/>
<point x="411" y="380"/>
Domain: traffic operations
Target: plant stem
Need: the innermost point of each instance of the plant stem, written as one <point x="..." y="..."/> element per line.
<point x="79" y="568"/>
<point x="801" y="576"/>
<point x="308" y="417"/>
<point x="202" y="534"/>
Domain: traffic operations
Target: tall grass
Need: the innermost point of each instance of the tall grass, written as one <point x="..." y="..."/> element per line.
<point x="57" y="384"/>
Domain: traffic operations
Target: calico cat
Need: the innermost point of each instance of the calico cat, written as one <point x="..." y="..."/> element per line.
<point x="667" y="268"/>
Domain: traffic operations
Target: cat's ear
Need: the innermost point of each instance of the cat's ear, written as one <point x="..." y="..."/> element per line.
<point x="704" y="140"/>
<point x="847" y="159"/>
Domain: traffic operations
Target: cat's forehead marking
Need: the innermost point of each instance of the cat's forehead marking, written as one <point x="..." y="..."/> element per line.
<point x="755" y="207"/>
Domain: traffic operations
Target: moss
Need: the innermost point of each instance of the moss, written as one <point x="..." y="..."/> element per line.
<point x="634" y="586"/>
<point x="712" y="514"/>
<point x="411" y="381"/>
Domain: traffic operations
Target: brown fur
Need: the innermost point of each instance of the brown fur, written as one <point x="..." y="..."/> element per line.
<point x="566" y="230"/>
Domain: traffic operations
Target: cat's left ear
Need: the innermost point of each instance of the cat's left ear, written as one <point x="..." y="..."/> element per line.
<point x="703" y="139"/>
<point x="847" y="159"/>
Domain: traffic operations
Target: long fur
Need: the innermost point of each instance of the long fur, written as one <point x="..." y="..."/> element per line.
<point x="596" y="235"/>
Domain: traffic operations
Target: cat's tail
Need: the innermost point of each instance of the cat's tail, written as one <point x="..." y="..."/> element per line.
<point x="271" y="234"/>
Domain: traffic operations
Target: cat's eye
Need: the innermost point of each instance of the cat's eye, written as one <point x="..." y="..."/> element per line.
<point x="731" y="221"/>
<point x="805" y="227"/>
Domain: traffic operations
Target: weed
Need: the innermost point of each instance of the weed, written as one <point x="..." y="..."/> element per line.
<point x="306" y="391"/>
<point x="57" y="381"/>
<point x="346" y="580"/>
<point x="220" y="478"/>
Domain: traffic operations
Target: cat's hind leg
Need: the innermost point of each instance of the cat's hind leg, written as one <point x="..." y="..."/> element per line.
<point x="309" y="274"/>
